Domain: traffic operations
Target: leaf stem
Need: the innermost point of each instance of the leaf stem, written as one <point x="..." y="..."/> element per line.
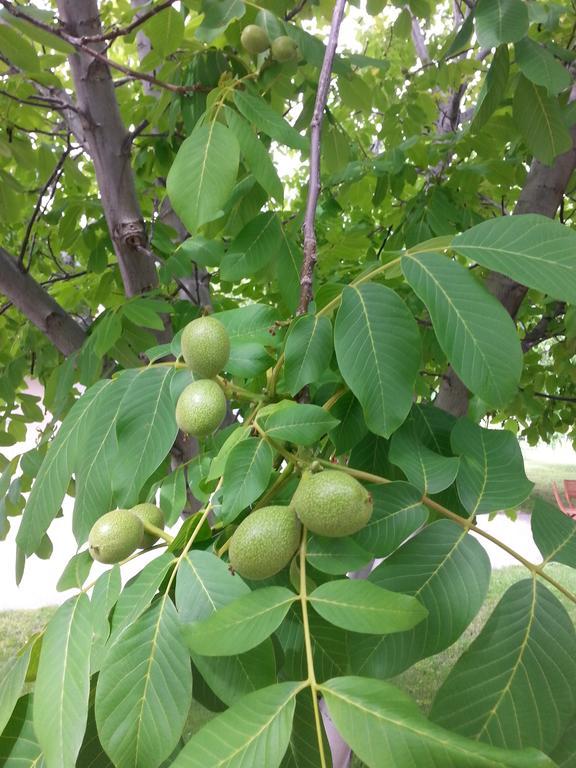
<point x="536" y="570"/>
<point x="274" y="445"/>
<point x="279" y="483"/>
<point x="308" y="645"/>
<point x="233" y="389"/>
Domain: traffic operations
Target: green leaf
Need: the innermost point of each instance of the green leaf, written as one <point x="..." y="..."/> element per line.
<point x="165" y="31"/>
<point x="232" y="677"/>
<point x="308" y="351"/>
<point x="554" y="533"/>
<point x="378" y="350"/>
<point x="336" y="556"/>
<point x="491" y="475"/>
<point x="260" y="114"/>
<point x="203" y="174"/>
<point x="63" y="683"/>
<point x="250" y="323"/>
<point x="255" y="731"/>
<point x="18" y="743"/>
<point x="531" y="249"/>
<point x="398" y="513"/>
<point x="303" y="751"/>
<point x="515" y="686"/>
<point x="253" y="248"/>
<point x="432" y="567"/>
<point x="242" y="624"/>
<point x="302" y="424"/>
<point x="92" y="752"/>
<point x="12" y="681"/>
<point x="539" y="65"/>
<point x="474" y="330"/>
<point x="429" y="471"/>
<point x="204" y="584"/>
<point x="288" y="269"/>
<point x="53" y="477"/>
<point x="219" y="461"/>
<point x="141" y="706"/>
<point x="564" y="754"/>
<point x="97" y="459"/>
<point x="246" y="476"/>
<point x="256" y="156"/>
<point x="540" y="120"/>
<point x="385" y="727"/>
<point x="104" y="597"/>
<point x="493" y="88"/>
<point x="500" y="21"/>
<point x="218" y="14"/>
<point x="139" y="312"/>
<point x="18" y="50"/>
<point x="173" y="495"/>
<point x="138" y="593"/>
<point x="360" y="606"/>
<point x="76" y="572"/>
<point x="352" y="427"/>
<point x="146" y="430"/>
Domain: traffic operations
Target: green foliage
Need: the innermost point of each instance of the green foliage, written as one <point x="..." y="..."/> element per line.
<point x="408" y="227"/>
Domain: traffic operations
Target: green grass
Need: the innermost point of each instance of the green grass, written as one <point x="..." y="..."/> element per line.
<point x="544" y="474"/>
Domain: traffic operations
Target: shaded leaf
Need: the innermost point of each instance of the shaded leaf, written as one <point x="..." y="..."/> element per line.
<point x="308" y="351"/>
<point x="491" y="475"/>
<point x="246" y="476"/>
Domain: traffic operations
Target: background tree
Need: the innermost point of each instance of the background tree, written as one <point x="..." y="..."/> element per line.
<point x="140" y="187"/>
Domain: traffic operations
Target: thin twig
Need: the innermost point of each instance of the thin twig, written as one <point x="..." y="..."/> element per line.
<point x="52" y="179"/>
<point x="314" y="184"/>
<point x="121" y="31"/>
<point x="289" y="15"/>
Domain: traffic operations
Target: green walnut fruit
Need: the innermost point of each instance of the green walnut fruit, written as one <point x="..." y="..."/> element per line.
<point x="284" y="49"/>
<point x="254" y="39"/>
<point x="205" y="347"/>
<point x="149" y="513"/>
<point x="115" y="536"/>
<point x="332" y="503"/>
<point x="201" y="408"/>
<point x="264" y="542"/>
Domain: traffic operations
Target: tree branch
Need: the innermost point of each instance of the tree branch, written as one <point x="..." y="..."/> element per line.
<point x="38" y="306"/>
<point x="138" y="21"/>
<point x="314" y="183"/>
<point x="539" y="332"/>
<point x="52" y="179"/>
<point x="289" y="15"/>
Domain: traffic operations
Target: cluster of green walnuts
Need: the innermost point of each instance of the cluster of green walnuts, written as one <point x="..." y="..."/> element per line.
<point x="329" y="503"/>
<point x="255" y="40"/>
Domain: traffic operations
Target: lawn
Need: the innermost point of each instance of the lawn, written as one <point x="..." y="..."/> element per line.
<point x="543" y="474"/>
<point x="421" y="681"/>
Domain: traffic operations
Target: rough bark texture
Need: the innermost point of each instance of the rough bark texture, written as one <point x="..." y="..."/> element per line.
<point x="542" y="193"/>
<point x="109" y="147"/>
<point x="38" y="306"/>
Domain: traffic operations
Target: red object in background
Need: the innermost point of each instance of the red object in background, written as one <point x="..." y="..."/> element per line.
<point x="566" y="504"/>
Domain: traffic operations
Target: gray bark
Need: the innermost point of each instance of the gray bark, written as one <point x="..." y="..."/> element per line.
<point x="109" y="146"/>
<point x="542" y="193"/>
<point x="38" y="306"/>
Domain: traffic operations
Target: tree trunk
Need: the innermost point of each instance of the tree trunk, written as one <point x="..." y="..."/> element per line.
<point x="38" y="306"/>
<point x="109" y="146"/>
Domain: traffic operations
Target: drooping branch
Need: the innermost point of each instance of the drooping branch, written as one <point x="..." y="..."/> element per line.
<point x="309" y="230"/>
<point x="540" y="331"/>
<point x="38" y="306"/>
<point x="106" y="137"/>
